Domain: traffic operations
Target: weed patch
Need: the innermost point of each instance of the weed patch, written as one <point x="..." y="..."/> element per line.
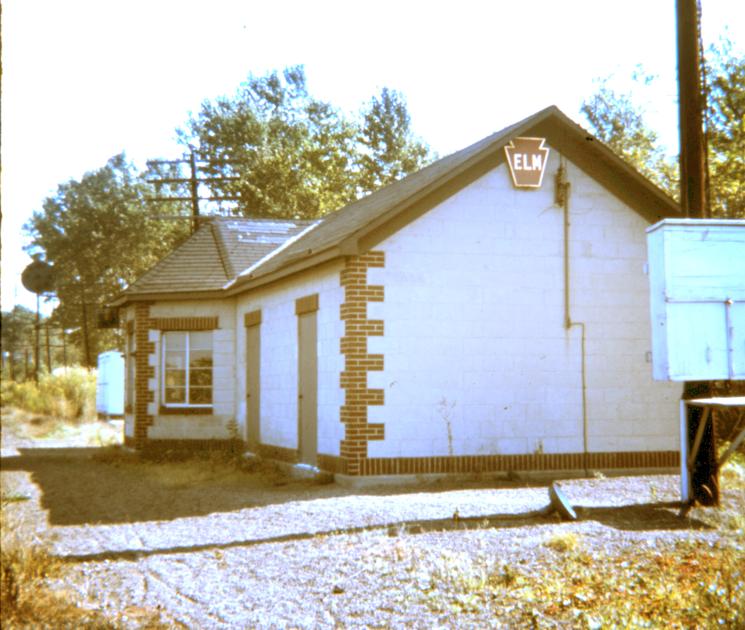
<point x="564" y="541"/>
<point x="189" y="469"/>
<point x="687" y="585"/>
<point x="26" y="601"/>
<point x="70" y="395"/>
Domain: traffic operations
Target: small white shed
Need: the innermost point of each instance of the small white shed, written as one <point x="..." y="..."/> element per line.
<point x="697" y="282"/>
<point x="110" y="384"/>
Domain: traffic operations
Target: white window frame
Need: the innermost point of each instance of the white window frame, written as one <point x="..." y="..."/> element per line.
<point x="164" y="350"/>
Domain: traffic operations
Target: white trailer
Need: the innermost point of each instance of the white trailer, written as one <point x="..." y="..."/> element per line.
<point x="110" y="385"/>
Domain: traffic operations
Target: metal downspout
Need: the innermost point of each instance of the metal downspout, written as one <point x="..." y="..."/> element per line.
<point x="562" y="199"/>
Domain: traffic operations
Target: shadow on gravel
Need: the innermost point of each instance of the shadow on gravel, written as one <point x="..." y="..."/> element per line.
<point x="81" y="486"/>
<point x="655" y="516"/>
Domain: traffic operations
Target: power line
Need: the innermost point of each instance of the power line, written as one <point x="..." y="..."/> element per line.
<point x="193" y="180"/>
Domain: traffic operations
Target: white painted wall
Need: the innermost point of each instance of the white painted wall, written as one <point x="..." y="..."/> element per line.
<point x="474" y="327"/>
<point x="215" y="426"/>
<point x="279" y="359"/>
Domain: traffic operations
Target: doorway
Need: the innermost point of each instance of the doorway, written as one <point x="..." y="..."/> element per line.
<point x="253" y="387"/>
<point x="307" y="388"/>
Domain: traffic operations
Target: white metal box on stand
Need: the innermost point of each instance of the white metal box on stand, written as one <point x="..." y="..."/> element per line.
<point x="110" y="384"/>
<point x="697" y="282"/>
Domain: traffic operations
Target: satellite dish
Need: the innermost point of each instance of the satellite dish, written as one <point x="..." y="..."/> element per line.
<point x="561" y="504"/>
<point x="38" y="277"/>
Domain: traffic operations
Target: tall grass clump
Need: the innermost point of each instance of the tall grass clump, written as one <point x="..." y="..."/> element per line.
<point x="70" y="394"/>
<point x="26" y="600"/>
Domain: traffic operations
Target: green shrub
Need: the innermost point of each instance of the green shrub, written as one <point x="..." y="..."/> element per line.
<point x="70" y="394"/>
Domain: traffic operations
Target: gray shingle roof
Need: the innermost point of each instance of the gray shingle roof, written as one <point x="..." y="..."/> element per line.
<point x="215" y="257"/>
<point x="218" y="251"/>
<point x="343" y="229"/>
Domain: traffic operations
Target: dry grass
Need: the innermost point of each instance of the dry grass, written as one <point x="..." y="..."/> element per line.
<point x="572" y="581"/>
<point x="685" y="584"/>
<point x="26" y="566"/>
<point x="174" y="469"/>
<point x="69" y="395"/>
<point x="688" y="585"/>
<point x="25" y="599"/>
<point x="37" y="427"/>
<point x="563" y="541"/>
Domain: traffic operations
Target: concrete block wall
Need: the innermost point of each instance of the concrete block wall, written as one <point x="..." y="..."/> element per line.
<point x="279" y="359"/>
<point x="477" y="358"/>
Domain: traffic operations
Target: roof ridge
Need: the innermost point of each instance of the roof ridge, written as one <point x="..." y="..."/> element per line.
<point x="222" y="250"/>
<point x="218" y="218"/>
<point x="344" y="227"/>
<point x="249" y="270"/>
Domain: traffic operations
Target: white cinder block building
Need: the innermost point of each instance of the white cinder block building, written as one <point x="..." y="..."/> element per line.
<point x="488" y="313"/>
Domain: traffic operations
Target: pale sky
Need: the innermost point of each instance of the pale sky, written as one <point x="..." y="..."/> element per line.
<point x="86" y="79"/>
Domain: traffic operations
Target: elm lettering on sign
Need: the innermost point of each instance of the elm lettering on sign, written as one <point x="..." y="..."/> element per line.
<point x="527" y="158"/>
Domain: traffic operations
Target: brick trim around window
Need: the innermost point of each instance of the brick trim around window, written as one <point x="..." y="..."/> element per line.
<point x="171" y="324"/>
<point x="144" y="372"/>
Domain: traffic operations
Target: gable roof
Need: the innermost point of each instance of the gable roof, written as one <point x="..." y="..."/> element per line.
<point x="362" y="224"/>
<point x="219" y="250"/>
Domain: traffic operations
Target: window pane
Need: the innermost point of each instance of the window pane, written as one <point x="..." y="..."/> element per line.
<point x="175" y="395"/>
<point x="175" y="341"/>
<point x="175" y="360"/>
<point x="200" y="340"/>
<point x="200" y="395"/>
<point x="187" y="368"/>
<point x="200" y="377"/>
<point x="200" y="358"/>
<point x="175" y="378"/>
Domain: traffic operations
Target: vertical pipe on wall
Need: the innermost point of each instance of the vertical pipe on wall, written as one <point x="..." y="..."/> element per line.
<point x="562" y="199"/>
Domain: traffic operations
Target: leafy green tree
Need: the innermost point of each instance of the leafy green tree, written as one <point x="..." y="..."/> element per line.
<point x="726" y="131"/>
<point x="17" y="338"/>
<point x="292" y="155"/>
<point x="618" y="121"/>
<point x="390" y="149"/>
<point x="288" y="152"/>
<point x="99" y="235"/>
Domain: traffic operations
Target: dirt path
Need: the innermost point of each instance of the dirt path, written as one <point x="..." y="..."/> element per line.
<point x="204" y="544"/>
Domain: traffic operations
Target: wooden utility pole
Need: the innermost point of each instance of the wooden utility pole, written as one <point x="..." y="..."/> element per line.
<point x="705" y="476"/>
<point x="691" y="107"/>
<point x="64" y="348"/>
<point x="37" y="325"/>
<point x="84" y="330"/>
<point x="194" y="190"/>
<point x="193" y="180"/>
<point x="49" y="349"/>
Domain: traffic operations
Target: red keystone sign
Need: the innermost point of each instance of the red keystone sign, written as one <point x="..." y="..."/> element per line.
<point x="527" y="159"/>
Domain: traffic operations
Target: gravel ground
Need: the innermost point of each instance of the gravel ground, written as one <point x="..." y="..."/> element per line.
<point x="254" y="549"/>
